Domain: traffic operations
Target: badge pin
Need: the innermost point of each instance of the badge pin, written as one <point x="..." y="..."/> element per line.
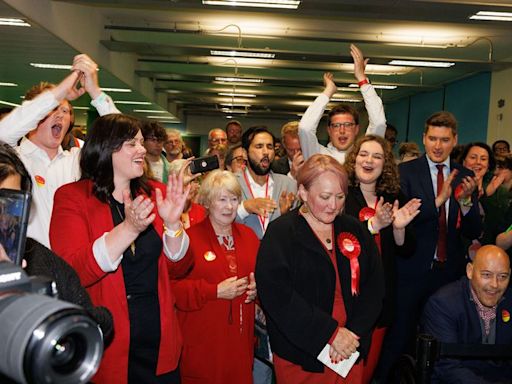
<point x="505" y="316"/>
<point x="210" y="256"/>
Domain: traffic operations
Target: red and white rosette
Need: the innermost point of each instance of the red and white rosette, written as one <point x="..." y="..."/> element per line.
<point x="351" y="249"/>
<point x="366" y="213"/>
<point x="458" y="192"/>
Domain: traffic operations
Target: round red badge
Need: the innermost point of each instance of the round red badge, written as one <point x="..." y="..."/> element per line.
<point x="366" y="213"/>
<point x="505" y="315"/>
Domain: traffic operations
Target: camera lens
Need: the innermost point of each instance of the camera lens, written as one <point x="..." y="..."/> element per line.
<point x="44" y="340"/>
<point x="68" y="353"/>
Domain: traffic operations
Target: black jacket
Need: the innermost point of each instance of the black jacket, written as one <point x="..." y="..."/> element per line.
<point x="296" y="282"/>
<point x="389" y="250"/>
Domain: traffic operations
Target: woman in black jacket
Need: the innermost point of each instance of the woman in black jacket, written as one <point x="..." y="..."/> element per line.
<point x="374" y="198"/>
<point x="320" y="280"/>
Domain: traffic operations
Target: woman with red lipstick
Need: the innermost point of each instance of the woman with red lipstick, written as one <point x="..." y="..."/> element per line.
<point x="374" y="198"/>
<point x="320" y="280"/>
<point x="216" y="300"/>
<point x="127" y="240"/>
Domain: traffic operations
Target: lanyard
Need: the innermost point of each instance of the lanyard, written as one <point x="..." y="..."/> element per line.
<point x="261" y="218"/>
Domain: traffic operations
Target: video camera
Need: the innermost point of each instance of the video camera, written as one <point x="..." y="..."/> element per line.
<point x="42" y="339"/>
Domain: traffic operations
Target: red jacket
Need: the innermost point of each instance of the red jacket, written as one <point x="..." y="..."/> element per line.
<point x="218" y="334"/>
<point x="78" y="219"/>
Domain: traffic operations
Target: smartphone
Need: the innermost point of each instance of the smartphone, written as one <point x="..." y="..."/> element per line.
<point x="14" y="210"/>
<point x="204" y="164"/>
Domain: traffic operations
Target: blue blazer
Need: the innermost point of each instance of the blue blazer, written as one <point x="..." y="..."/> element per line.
<point x="450" y="316"/>
<point x="416" y="182"/>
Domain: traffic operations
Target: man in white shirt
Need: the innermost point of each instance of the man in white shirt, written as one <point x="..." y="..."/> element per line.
<point x="343" y="120"/>
<point x="45" y="118"/>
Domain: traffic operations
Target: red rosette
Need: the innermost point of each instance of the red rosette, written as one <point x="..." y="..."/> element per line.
<point x="366" y="213"/>
<point x="350" y="247"/>
<point x="458" y="192"/>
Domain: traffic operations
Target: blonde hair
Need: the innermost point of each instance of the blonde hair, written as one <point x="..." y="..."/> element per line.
<point x="214" y="183"/>
<point x="291" y="128"/>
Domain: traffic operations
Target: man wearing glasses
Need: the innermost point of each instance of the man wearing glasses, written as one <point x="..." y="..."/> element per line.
<point x="343" y="120"/>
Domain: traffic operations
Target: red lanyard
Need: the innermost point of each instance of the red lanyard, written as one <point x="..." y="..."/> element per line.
<point x="262" y="218"/>
<point x="376" y="237"/>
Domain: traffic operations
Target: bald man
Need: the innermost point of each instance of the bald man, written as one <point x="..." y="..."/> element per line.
<point x="474" y="310"/>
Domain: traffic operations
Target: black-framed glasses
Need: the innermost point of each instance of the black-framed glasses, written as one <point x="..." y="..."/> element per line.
<point x="346" y="125"/>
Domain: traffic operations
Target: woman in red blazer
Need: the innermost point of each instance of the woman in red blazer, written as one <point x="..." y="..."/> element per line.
<point x="124" y="238"/>
<point x="216" y="300"/>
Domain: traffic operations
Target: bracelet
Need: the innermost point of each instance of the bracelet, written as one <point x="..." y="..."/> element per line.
<point x="372" y="230"/>
<point x="174" y="234"/>
<point x="363" y="82"/>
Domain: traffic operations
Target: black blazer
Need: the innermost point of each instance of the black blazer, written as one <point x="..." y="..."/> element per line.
<point x="296" y="282"/>
<point x="389" y="250"/>
<point x="281" y="166"/>
<point x="415" y="181"/>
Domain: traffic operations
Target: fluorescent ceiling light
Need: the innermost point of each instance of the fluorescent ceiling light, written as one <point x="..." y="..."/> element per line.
<point x="13" y="22"/>
<point x="258" y="55"/>
<point x="346" y="100"/>
<point x="229" y="117"/>
<point x="132" y="102"/>
<point x="235" y="105"/>
<point x="85" y="108"/>
<point x="125" y="90"/>
<point x="286" y="4"/>
<point x="8" y="103"/>
<point x="51" y="66"/>
<point x="376" y="86"/>
<point x="236" y="94"/>
<point x="149" y="111"/>
<point x="8" y="84"/>
<point x="417" y="63"/>
<point x="492" y="16"/>
<point x="238" y="80"/>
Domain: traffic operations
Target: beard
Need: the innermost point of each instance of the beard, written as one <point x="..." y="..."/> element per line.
<point x="258" y="169"/>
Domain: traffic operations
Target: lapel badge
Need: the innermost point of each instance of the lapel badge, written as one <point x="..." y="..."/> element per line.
<point x="209" y="256"/>
<point x="505" y="315"/>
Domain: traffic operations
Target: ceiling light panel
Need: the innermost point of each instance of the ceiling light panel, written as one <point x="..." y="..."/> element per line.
<point x="121" y="90"/>
<point x="8" y="84"/>
<point x="129" y="102"/>
<point x="418" y="63"/>
<point x="236" y="94"/>
<point x="376" y="86"/>
<point x="238" y="80"/>
<point x="13" y="22"/>
<point x="283" y="4"/>
<point x="492" y="16"/>
<point x="252" y="55"/>
<point x="51" y="66"/>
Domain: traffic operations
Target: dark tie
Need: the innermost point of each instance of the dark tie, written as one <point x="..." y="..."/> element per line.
<point x="441" y="240"/>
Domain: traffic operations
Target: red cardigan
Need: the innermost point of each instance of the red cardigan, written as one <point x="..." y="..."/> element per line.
<point x="218" y="334"/>
<point x="78" y="219"/>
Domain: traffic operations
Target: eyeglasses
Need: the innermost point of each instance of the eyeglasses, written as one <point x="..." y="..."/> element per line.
<point x="219" y="141"/>
<point x="346" y="125"/>
<point x="240" y="159"/>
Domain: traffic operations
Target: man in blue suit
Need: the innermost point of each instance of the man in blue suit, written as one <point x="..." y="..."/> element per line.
<point x="474" y="310"/>
<point x="449" y="210"/>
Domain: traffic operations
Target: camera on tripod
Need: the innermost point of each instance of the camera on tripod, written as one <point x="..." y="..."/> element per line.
<point x="42" y="339"/>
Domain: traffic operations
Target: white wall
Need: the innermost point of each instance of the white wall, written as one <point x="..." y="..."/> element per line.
<point x="500" y="119"/>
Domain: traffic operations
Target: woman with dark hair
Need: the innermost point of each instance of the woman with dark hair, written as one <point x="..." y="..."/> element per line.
<point x="374" y="198"/>
<point x="320" y="280"/>
<point x="127" y="241"/>
<point x="39" y="260"/>
<point x="479" y="158"/>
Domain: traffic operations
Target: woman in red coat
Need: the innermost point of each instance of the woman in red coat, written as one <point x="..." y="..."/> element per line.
<point x="124" y="238"/>
<point x="216" y="300"/>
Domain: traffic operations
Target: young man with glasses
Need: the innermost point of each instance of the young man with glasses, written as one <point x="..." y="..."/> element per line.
<point x="343" y="120"/>
<point x="154" y="138"/>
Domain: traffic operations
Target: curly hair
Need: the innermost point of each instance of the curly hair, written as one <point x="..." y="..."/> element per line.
<point x="389" y="180"/>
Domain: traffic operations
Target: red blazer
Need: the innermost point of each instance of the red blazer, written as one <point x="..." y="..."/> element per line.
<point x="218" y="334"/>
<point x="78" y="219"/>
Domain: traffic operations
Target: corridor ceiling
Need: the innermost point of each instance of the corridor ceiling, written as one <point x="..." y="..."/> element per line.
<point x="162" y="50"/>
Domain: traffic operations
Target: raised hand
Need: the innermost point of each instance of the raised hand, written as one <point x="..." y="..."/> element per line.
<point x="469" y="184"/>
<point x="330" y="87"/>
<point x="446" y="191"/>
<point x="383" y="215"/>
<point x="137" y="212"/>
<point x="359" y="62"/>
<point x="232" y="287"/>
<point x="344" y="345"/>
<point x="171" y="208"/>
<point x="297" y="162"/>
<point x="286" y="201"/>
<point x="494" y="184"/>
<point x="251" y="289"/>
<point x="403" y="216"/>
<point x="68" y="89"/>
<point x="262" y="206"/>
<point x="89" y="69"/>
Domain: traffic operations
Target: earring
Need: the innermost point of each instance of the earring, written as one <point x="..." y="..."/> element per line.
<point x="304" y="208"/>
